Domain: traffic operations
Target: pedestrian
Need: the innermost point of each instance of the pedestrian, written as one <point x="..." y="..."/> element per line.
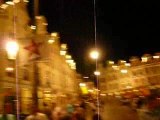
<point x="4" y="115"/>
<point x="36" y="114"/>
<point x="56" y="114"/>
<point x="96" y="115"/>
<point x="78" y="114"/>
<point x="47" y="110"/>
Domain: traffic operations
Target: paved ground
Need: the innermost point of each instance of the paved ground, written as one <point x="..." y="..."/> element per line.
<point x="113" y="110"/>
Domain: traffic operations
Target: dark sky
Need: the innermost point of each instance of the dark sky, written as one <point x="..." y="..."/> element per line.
<point x="124" y="28"/>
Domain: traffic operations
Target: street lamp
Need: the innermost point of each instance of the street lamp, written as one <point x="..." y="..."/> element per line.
<point x="94" y="54"/>
<point x="12" y="48"/>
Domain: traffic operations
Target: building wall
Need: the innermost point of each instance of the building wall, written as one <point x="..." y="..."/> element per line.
<point x="143" y="75"/>
<point x="55" y="77"/>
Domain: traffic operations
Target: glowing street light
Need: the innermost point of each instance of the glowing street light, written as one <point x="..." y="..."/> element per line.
<point x="94" y="54"/>
<point x="12" y="49"/>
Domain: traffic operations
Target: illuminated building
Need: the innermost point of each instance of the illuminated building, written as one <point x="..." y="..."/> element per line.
<point x="41" y="69"/>
<point x="134" y="79"/>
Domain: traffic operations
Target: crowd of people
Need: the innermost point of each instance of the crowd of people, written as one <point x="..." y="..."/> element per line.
<point x="55" y="112"/>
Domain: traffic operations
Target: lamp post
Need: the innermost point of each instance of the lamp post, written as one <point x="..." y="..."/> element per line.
<point x="95" y="55"/>
<point x="12" y="48"/>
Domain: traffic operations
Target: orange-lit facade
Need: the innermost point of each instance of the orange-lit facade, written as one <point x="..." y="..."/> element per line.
<point x="55" y="78"/>
<point x="134" y="79"/>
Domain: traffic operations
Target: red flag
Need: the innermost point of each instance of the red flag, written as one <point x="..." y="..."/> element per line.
<point x="34" y="50"/>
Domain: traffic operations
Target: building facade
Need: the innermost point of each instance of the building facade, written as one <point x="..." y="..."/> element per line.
<point x="134" y="79"/>
<point x="39" y="73"/>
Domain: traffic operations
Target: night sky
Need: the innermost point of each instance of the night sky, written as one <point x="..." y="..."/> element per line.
<point x="124" y="28"/>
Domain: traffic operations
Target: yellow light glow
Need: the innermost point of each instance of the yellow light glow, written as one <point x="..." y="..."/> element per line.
<point x="90" y="90"/>
<point x="85" y="77"/>
<point x="54" y="34"/>
<point x="26" y="1"/>
<point x="4" y="6"/>
<point x="110" y="94"/>
<point x="39" y="17"/>
<point x="45" y="23"/>
<point x="127" y="64"/>
<point x="73" y="64"/>
<point x="117" y="93"/>
<point x="9" y="69"/>
<point x="47" y="96"/>
<point x="124" y="71"/>
<point x="50" y="41"/>
<point x="94" y="54"/>
<point x="84" y="90"/>
<point x="156" y="57"/>
<point x="135" y="90"/>
<point x="33" y="27"/>
<point x="129" y="87"/>
<point x="69" y="61"/>
<point x="144" y="59"/>
<point x="97" y="73"/>
<point x="111" y="62"/>
<point x="63" y="46"/>
<point x="123" y="61"/>
<point x="115" y="67"/>
<point x="10" y="2"/>
<point x="73" y="67"/>
<point x="82" y="84"/>
<point x="102" y="94"/>
<point x="62" y="52"/>
<point x="12" y="49"/>
<point x="68" y="57"/>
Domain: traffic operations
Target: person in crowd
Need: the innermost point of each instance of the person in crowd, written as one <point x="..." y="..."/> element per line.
<point x="56" y="113"/>
<point x="83" y="104"/>
<point x="47" y="110"/>
<point x="65" y="115"/>
<point x="4" y="115"/>
<point x="96" y="115"/>
<point x="78" y="114"/>
<point x="36" y="114"/>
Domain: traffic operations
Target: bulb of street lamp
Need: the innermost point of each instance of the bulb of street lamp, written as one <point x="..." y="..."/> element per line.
<point x="94" y="54"/>
<point x="12" y="49"/>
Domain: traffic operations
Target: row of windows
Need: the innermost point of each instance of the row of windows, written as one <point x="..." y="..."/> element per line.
<point x="135" y="72"/>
